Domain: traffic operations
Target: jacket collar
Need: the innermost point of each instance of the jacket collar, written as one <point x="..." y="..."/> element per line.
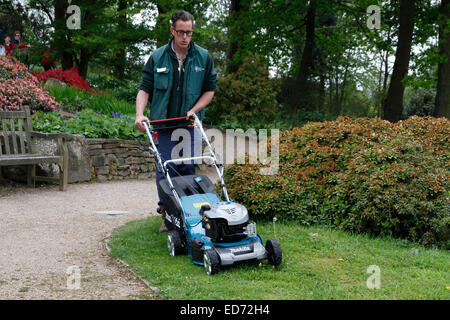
<point x="191" y="50"/>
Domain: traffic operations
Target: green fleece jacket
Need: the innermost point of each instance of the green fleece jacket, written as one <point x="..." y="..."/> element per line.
<point x="174" y="91"/>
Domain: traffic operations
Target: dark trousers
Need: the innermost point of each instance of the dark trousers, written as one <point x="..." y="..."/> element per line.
<point x="186" y="144"/>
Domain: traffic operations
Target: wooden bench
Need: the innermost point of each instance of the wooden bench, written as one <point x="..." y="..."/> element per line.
<point x="18" y="147"/>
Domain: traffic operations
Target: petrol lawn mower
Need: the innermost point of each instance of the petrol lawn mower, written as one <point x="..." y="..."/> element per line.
<point x="212" y="231"/>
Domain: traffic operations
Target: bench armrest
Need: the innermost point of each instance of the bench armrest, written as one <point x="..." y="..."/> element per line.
<point x="60" y="137"/>
<point x="35" y="134"/>
<point x="43" y="135"/>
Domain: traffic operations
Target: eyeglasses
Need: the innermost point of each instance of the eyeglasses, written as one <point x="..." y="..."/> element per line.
<point x="182" y="32"/>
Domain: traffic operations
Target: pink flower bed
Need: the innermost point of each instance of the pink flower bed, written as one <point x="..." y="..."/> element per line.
<point x="18" y="87"/>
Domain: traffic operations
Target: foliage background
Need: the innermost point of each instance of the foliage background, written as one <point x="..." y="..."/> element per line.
<point x="362" y="175"/>
<point x="280" y="64"/>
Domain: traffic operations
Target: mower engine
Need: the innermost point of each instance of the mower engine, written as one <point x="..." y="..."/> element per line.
<point x="227" y="222"/>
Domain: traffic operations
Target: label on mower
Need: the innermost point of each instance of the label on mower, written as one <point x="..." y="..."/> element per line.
<point x="199" y="204"/>
<point x="173" y="220"/>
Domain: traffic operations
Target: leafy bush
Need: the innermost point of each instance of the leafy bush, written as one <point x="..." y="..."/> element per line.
<point x="73" y="99"/>
<point x="246" y="98"/>
<point x="419" y="101"/>
<point x="121" y="89"/>
<point x="19" y="87"/>
<point x="363" y="175"/>
<point x="90" y="124"/>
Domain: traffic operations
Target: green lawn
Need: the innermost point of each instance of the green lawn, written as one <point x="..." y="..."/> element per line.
<point x="332" y="265"/>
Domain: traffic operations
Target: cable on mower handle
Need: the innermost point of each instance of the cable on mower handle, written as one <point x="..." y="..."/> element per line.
<point x="170" y="119"/>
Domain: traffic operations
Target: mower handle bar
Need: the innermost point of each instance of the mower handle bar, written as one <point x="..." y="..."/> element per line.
<point x="170" y="119"/>
<point x="186" y="159"/>
<point x="198" y="124"/>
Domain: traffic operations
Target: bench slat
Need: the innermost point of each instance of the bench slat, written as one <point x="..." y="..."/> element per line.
<point x="22" y="143"/>
<point x="29" y="159"/>
<point x="13" y="114"/>
<point x="28" y="129"/>
<point x="5" y="136"/>
<point x="14" y="136"/>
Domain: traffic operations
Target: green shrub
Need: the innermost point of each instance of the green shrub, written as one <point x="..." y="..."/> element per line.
<point x="363" y="175"/>
<point x="73" y="99"/>
<point x="419" y="101"/>
<point x="89" y="123"/>
<point x="121" y="89"/>
<point x="244" y="99"/>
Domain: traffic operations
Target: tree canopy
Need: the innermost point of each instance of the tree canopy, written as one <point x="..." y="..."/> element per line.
<point x="358" y="58"/>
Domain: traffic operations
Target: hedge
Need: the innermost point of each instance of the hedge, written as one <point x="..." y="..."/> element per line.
<point x="362" y="175"/>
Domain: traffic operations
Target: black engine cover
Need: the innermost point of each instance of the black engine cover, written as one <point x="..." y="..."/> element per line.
<point x="219" y="230"/>
<point x="184" y="186"/>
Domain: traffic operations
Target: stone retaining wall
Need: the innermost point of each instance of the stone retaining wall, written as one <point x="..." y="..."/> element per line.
<point x="115" y="159"/>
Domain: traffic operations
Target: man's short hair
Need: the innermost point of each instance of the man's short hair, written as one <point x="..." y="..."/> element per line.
<point x="182" y="15"/>
<point x="16" y="32"/>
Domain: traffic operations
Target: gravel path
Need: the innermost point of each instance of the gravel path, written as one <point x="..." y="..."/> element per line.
<point x="44" y="233"/>
<point x="47" y="236"/>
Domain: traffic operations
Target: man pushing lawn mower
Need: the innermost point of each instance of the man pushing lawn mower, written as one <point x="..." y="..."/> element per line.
<point x="214" y="232"/>
<point x="179" y="80"/>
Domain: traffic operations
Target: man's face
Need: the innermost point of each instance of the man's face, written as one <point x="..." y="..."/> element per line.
<point x="17" y="36"/>
<point x="182" y="40"/>
<point x="7" y="39"/>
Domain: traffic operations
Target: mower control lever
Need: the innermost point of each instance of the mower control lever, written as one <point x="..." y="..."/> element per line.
<point x="204" y="208"/>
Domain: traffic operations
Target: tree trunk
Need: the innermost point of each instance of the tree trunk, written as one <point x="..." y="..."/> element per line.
<point x="336" y="94"/>
<point x="238" y="29"/>
<point x="330" y="93"/>
<point x="307" y="59"/>
<point x="442" y="108"/>
<point x="61" y="42"/>
<point x="86" y="53"/>
<point x="119" y="66"/>
<point x="84" y="62"/>
<point x="380" y="88"/>
<point x="322" y="71"/>
<point x="321" y="92"/>
<point x="393" y="106"/>
<point x="385" y="63"/>
<point x="343" y="87"/>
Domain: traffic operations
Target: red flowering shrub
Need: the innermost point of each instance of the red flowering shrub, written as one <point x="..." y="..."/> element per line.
<point x="69" y="76"/>
<point x="18" y="87"/>
<point x="363" y="175"/>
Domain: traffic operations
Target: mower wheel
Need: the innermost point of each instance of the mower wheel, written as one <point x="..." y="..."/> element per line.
<point x="274" y="253"/>
<point x="211" y="262"/>
<point x="174" y="243"/>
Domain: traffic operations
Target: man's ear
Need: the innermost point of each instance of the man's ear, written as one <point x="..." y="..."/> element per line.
<point x="172" y="31"/>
